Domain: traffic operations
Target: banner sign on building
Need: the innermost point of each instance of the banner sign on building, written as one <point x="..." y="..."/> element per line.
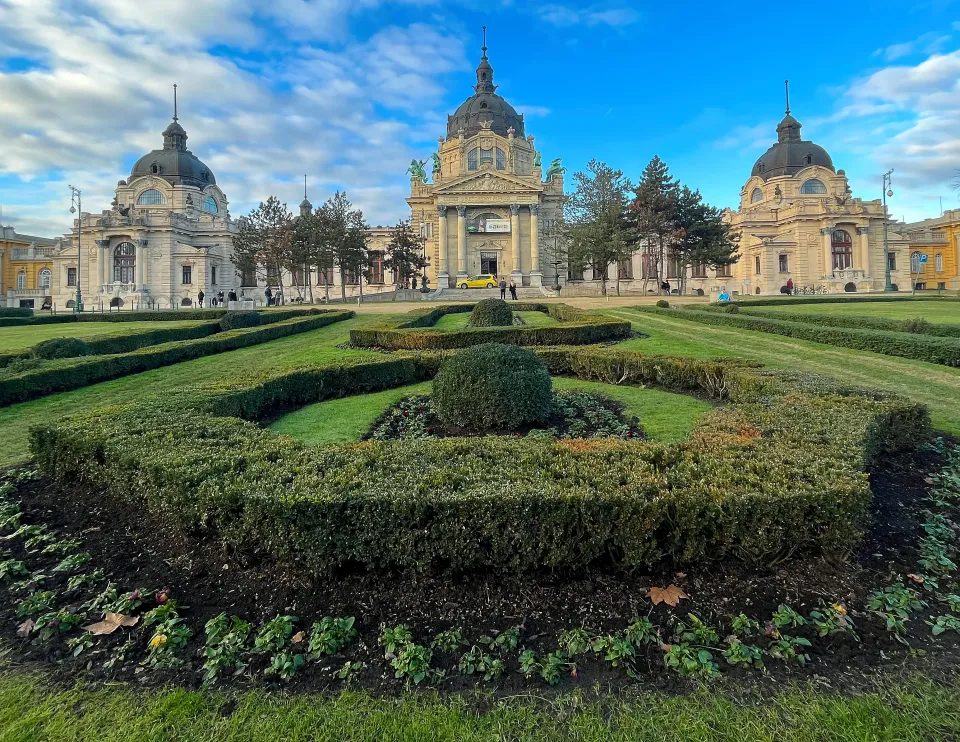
<point x="483" y="224"/>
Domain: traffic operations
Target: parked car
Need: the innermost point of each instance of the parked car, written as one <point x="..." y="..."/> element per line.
<point x="479" y="282"/>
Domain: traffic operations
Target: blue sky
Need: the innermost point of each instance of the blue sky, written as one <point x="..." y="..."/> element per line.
<point x="349" y="91"/>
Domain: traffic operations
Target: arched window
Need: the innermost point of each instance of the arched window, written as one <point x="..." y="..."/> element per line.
<point x="501" y="159"/>
<point x="813" y="186"/>
<point x="152" y="197"/>
<point x="842" y="247"/>
<point x="21" y="279"/>
<point x="472" y="159"/>
<point x="757" y="195"/>
<point x="44" y="278"/>
<point x="809" y="159"/>
<point x="124" y="262"/>
<point x="210" y="205"/>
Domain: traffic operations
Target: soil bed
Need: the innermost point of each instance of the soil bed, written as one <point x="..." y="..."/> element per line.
<point x="138" y="551"/>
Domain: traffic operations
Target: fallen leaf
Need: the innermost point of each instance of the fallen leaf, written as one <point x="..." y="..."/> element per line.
<point x="664" y="647"/>
<point x="681" y="575"/>
<point x="298" y="637"/>
<point x="671" y="595"/>
<point x="24" y="629"/>
<point x="110" y="623"/>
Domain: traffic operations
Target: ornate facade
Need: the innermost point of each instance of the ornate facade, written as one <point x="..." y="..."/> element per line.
<point x="26" y="269"/>
<point x="488" y="204"/>
<point x="939" y="240"/>
<point x="167" y="237"/>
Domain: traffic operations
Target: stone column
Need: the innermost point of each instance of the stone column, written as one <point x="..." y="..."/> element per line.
<point x="103" y="263"/>
<point x="827" y="233"/>
<point x="863" y="259"/>
<point x="536" y="276"/>
<point x="461" y="241"/>
<point x="141" y="263"/>
<point x="443" y="277"/>
<point x="515" y="241"/>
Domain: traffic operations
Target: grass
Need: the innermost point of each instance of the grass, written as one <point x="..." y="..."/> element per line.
<point x="936" y="386"/>
<point x="31" y="712"/>
<point x="945" y="312"/>
<point x="20" y="338"/>
<point x="664" y="416"/>
<point x="459" y="321"/>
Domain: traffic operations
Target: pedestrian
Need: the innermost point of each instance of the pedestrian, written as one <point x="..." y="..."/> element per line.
<point x="666" y="287"/>
<point x="503" y="288"/>
<point x="513" y="290"/>
<point x="789" y="286"/>
<point x="268" y="293"/>
<point x="200" y="299"/>
<point x="413" y="283"/>
<point x="232" y="295"/>
<point x="220" y="298"/>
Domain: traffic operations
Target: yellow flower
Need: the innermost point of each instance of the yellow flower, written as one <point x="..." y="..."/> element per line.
<point x="840" y="609"/>
<point x="158" y="640"/>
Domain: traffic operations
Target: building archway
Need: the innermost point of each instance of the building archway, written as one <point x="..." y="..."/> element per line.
<point x="116" y="302"/>
<point x="850" y="287"/>
<point x="841" y="246"/>
<point x="125" y="262"/>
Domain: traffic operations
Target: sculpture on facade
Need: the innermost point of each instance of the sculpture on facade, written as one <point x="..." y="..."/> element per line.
<point x="555" y="167"/>
<point x="416" y="169"/>
<point x="536" y="159"/>
<point x="436" y="162"/>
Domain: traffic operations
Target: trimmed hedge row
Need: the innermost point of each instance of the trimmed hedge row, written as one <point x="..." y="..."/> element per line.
<point x="16" y="312"/>
<point x="860" y="322"/>
<point x="822" y="299"/>
<point x="943" y="351"/>
<point x="780" y="470"/>
<point x="575" y="328"/>
<point x="60" y="376"/>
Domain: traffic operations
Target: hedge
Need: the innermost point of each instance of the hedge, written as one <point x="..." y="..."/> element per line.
<point x="60" y="376"/>
<point x="166" y="315"/>
<point x="778" y="471"/>
<point x="575" y="327"/>
<point x="857" y="322"/>
<point x="943" y="351"/>
<point x="16" y="312"/>
<point x="821" y="299"/>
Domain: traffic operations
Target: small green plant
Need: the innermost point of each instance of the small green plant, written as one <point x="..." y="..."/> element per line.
<point x="160" y="614"/>
<point x="478" y="662"/>
<point x="934" y="556"/>
<point x="285" y="664"/>
<point x="274" y="634"/>
<point x="789" y="649"/>
<point x="785" y="617"/>
<point x="72" y="563"/>
<point x="225" y="644"/>
<point x="832" y="619"/>
<point x="349" y="670"/>
<point x="169" y="638"/>
<point x="412" y="662"/>
<point x="31" y="584"/>
<point x="80" y="644"/>
<point x="37" y="604"/>
<point x="119" y="655"/>
<point x="555" y="665"/>
<point x="743" y="626"/>
<point x="689" y="661"/>
<point x="506" y="640"/>
<point x="738" y="653"/>
<point x="895" y="603"/>
<point x="953" y="602"/>
<point x="63" y="546"/>
<point x="448" y="641"/>
<point x="128" y="602"/>
<point x="52" y="624"/>
<point x="663" y="303"/>
<point x="392" y="639"/>
<point x="945" y="623"/>
<point x="696" y="632"/>
<point x="329" y="635"/>
<point x="529" y="665"/>
<point x="86" y="579"/>
<point x="575" y="642"/>
<point x="616" y="649"/>
<point x="641" y="631"/>
<point x="12" y="568"/>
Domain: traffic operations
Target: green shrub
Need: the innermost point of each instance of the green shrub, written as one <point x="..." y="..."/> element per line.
<point x="60" y="348"/>
<point x="663" y="303"/>
<point x="491" y="313"/>
<point x="493" y="387"/>
<point x="236" y="320"/>
<point x="16" y="312"/>
<point x="918" y="326"/>
<point x="731" y="309"/>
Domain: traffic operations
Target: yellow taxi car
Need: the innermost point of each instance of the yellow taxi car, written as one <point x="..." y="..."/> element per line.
<point x="485" y="281"/>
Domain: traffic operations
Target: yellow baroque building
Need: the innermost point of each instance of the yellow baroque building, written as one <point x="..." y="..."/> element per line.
<point x="939" y="240"/>
<point x="798" y="221"/>
<point x="26" y="269"/>
<point x="489" y="204"/>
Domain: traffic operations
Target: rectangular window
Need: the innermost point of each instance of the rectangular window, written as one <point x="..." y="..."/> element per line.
<point x="756" y="265"/>
<point x="248" y="277"/>
<point x="187" y="275"/>
<point x="625" y="270"/>
<point x="575" y="273"/>
<point x="325" y="277"/>
<point x="674" y="268"/>
<point x="486" y="156"/>
<point x="71" y="276"/>
<point x="784" y="264"/>
<point x="376" y="268"/>
<point x="599" y="271"/>
<point x="213" y="275"/>
<point x="698" y="270"/>
<point x="938" y="262"/>
<point x="472" y="159"/>
<point x="349" y="277"/>
<point x="723" y="271"/>
<point x="892" y="261"/>
<point x="648" y="266"/>
<point x="501" y="159"/>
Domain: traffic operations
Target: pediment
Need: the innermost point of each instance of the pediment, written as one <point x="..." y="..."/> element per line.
<point x="488" y="182"/>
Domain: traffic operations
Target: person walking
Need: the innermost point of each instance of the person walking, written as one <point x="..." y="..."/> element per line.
<point x="790" y="287"/>
<point x="513" y="290"/>
<point x="413" y="283"/>
<point x="268" y="293"/>
<point x="200" y="299"/>
<point x="503" y="288"/>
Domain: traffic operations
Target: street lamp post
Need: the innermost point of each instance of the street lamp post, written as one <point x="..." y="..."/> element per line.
<point x="887" y="191"/>
<point x="76" y="207"/>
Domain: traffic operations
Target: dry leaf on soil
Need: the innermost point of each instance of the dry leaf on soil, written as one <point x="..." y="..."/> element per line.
<point x="24" y="629"/>
<point x="671" y="595"/>
<point x="110" y="623"/>
<point x="298" y="637"/>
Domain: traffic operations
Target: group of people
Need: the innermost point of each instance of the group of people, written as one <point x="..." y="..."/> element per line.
<point x="504" y="287"/>
<point x="218" y="299"/>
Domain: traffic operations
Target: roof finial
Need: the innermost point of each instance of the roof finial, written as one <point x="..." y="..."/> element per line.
<point x="484" y="42"/>
<point x="174" y="101"/>
<point x="304" y="186"/>
<point x="786" y="85"/>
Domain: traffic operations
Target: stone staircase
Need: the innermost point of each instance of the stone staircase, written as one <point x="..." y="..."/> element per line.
<point x="523" y="292"/>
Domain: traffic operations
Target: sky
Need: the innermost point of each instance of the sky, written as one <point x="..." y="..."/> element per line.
<point x="349" y="91"/>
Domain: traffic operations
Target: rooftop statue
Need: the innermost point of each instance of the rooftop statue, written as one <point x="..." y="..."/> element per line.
<point x="555" y="167"/>
<point x="536" y="160"/>
<point x="436" y="162"/>
<point x="416" y="170"/>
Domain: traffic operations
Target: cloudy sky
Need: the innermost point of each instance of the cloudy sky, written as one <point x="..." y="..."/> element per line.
<point x="349" y="91"/>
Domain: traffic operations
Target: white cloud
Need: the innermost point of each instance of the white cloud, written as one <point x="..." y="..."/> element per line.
<point x="591" y="15"/>
<point x="928" y="43"/>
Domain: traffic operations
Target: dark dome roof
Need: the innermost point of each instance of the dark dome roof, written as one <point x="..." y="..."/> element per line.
<point x="791" y="153"/>
<point x="484" y="109"/>
<point x="174" y="163"/>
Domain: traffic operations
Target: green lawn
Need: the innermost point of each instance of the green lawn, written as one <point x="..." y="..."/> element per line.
<point x="20" y="338"/>
<point x="459" y="321"/>
<point x="664" y="416"/>
<point x="32" y="711"/>
<point x="936" y="386"/>
<point x="944" y="312"/>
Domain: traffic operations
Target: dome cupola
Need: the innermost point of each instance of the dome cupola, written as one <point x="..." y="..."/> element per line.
<point x="791" y="153"/>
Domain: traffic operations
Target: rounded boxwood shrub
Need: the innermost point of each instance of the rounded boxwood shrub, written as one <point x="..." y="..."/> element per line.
<point x="731" y="309"/>
<point x="663" y="304"/>
<point x="491" y="313"/>
<point x="493" y="387"/>
<point x="237" y="320"/>
<point x="61" y="348"/>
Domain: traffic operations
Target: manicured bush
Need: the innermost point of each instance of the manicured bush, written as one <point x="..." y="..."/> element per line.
<point x="237" y="320"/>
<point x="663" y="303"/>
<point x="779" y="471"/>
<point x="493" y="387"/>
<point x="855" y="321"/>
<point x="917" y="325"/>
<point x="60" y="348"/>
<point x="491" y="313"/>
<point x="731" y="309"/>
<point x="16" y="312"/>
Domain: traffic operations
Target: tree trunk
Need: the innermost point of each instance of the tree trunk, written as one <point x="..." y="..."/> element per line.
<point x="360" y="284"/>
<point x="279" y="283"/>
<point x="326" y="286"/>
<point x="308" y="273"/>
<point x="343" y="286"/>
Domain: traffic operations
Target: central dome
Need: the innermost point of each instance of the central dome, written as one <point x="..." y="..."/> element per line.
<point x="484" y="110"/>
<point x="791" y="153"/>
<point x="174" y="163"/>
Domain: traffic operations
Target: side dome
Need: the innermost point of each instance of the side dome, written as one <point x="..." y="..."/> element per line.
<point x="791" y="153"/>
<point x="174" y="163"/>
<point x="485" y="110"/>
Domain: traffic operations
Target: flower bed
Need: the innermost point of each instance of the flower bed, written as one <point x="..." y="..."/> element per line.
<point x="780" y="470"/>
<point x="575" y="327"/>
